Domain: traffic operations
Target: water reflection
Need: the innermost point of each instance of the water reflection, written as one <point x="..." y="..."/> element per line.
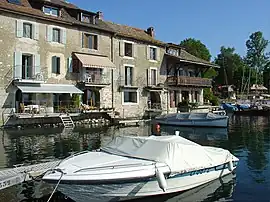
<point x="247" y="137"/>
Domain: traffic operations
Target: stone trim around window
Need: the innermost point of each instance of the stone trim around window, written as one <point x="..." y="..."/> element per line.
<point x="130" y="91"/>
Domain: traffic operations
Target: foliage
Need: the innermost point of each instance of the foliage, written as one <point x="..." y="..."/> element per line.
<point x="76" y="100"/>
<point x="256" y="51"/>
<point x="232" y="68"/>
<point x="208" y="95"/>
<point x="211" y="73"/>
<point x="196" y="48"/>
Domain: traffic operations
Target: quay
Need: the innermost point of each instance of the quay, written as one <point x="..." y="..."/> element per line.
<point x="13" y="176"/>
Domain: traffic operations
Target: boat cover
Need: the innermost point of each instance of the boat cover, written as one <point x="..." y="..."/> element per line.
<point x="180" y="154"/>
<point x="197" y="116"/>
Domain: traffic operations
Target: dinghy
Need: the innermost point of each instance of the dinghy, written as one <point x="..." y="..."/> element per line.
<point x="135" y="167"/>
<point x="207" y="119"/>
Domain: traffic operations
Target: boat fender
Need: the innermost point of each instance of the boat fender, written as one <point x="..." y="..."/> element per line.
<point x="161" y="179"/>
<point x="230" y="166"/>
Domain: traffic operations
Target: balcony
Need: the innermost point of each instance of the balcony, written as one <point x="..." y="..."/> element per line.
<point x="188" y="81"/>
<point x="96" y="78"/>
<point x="28" y="74"/>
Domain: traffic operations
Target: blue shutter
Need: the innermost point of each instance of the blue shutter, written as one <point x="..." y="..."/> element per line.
<point x="37" y="64"/>
<point x="69" y="62"/>
<point x="54" y="64"/>
<point x="19" y="28"/>
<point x="17" y="71"/>
<point x="64" y="36"/>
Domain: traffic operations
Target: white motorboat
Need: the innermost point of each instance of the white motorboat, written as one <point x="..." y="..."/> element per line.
<point x="199" y="119"/>
<point x="135" y="167"/>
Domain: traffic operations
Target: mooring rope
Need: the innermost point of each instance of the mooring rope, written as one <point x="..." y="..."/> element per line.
<point x="62" y="173"/>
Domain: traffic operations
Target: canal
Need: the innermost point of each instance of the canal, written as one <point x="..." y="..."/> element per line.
<point x="248" y="138"/>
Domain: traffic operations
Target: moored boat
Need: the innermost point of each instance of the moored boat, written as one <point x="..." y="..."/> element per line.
<point x="193" y="119"/>
<point x="135" y="167"/>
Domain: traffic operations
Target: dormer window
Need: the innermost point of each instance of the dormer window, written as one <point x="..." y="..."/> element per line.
<point x="51" y="11"/>
<point x="173" y="51"/>
<point x="87" y="18"/>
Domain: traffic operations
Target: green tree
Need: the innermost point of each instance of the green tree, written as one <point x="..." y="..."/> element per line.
<point x="196" y="48"/>
<point x="256" y="56"/>
<point x="232" y="68"/>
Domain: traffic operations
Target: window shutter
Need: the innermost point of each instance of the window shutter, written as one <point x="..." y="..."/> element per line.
<point x="17" y="71"/>
<point x="37" y="64"/>
<point x="19" y="28"/>
<point x="70" y="68"/>
<point x="121" y="48"/>
<point x="63" y="36"/>
<point x="82" y="40"/>
<point x="134" y="50"/>
<point x="148" y="77"/>
<point x="54" y="63"/>
<point x="58" y="65"/>
<point x="148" y="52"/>
<point x="35" y="31"/>
<point x="96" y="42"/>
<point x="49" y="33"/>
<point x="158" y="54"/>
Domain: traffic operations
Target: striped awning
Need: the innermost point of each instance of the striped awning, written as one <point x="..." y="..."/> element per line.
<point x="94" y="61"/>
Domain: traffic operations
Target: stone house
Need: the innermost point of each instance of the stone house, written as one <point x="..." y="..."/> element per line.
<point x="48" y="50"/>
<point x="53" y="50"/>
<point x="183" y="74"/>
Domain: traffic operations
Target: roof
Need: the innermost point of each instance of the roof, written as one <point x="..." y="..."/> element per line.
<point x="189" y="58"/>
<point x="134" y="33"/>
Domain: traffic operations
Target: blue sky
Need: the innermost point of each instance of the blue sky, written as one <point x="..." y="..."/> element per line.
<point x="214" y="22"/>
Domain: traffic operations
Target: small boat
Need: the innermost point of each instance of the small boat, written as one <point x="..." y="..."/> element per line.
<point x="136" y="167"/>
<point x="207" y="119"/>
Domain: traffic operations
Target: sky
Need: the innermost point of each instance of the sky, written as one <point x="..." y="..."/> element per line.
<point x="215" y="23"/>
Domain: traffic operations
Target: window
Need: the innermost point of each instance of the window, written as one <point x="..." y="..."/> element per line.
<point x="130" y="96"/>
<point x="51" y="11"/>
<point x="90" y="41"/>
<point x="128" y="49"/>
<point x="27" y="67"/>
<point x="153" y="77"/>
<point x="153" y="53"/>
<point x="87" y="18"/>
<point x="27" y="30"/>
<point x="56" y="65"/>
<point x="128" y="75"/>
<point x="56" y="35"/>
<point x="173" y="51"/>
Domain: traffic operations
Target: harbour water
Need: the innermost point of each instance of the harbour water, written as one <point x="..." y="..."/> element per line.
<point x="248" y="138"/>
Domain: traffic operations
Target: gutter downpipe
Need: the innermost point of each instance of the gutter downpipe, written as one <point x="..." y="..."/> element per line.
<point x="112" y="60"/>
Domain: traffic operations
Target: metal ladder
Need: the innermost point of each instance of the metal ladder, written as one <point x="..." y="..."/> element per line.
<point x="67" y="121"/>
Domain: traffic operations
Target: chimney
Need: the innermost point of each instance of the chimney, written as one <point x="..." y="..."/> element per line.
<point x="100" y="15"/>
<point x="151" y="31"/>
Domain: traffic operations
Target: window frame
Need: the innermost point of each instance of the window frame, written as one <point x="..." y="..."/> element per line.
<point x="58" y="65"/>
<point x="130" y="91"/>
<point x="51" y="13"/>
<point x="150" y="76"/>
<point x="59" y="36"/>
<point x="94" y="45"/>
<point x="91" y="18"/>
<point x="132" y="49"/>
<point x="156" y="54"/>
<point x="31" y="30"/>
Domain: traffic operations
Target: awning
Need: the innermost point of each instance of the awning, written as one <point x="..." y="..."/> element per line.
<point x="95" y="61"/>
<point x="50" y="88"/>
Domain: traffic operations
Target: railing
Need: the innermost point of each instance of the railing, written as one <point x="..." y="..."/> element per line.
<point x="154" y="106"/>
<point x="28" y="73"/>
<point x="189" y="81"/>
<point x="97" y="78"/>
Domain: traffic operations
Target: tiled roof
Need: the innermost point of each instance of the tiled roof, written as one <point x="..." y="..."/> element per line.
<point x="132" y="32"/>
<point x="185" y="56"/>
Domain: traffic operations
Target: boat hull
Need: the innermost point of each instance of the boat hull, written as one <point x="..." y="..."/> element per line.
<point x="221" y="122"/>
<point x="150" y="187"/>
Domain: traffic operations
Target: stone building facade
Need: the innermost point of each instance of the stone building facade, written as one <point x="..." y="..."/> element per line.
<point x="53" y="50"/>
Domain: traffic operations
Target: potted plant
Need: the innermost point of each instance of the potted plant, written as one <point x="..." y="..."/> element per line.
<point x="183" y="106"/>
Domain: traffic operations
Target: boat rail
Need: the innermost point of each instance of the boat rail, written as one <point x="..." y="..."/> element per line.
<point x="115" y="166"/>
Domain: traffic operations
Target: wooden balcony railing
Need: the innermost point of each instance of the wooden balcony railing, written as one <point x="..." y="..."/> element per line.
<point x="188" y="81"/>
